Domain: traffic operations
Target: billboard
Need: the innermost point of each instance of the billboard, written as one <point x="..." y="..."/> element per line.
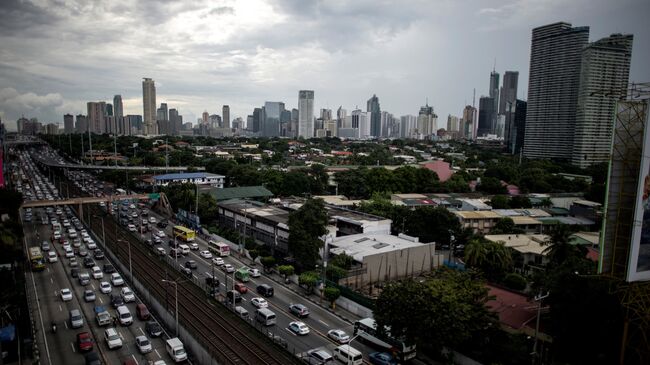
<point x="639" y="254"/>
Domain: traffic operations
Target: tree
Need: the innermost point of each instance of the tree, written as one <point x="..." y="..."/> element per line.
<point x="286" y="270"/>
<point x="491" y="185"/>
<point x="446" y="310"/>
<point x="499" y="202"/>
<point x="306" y="227"/>
<point x="559" y="247"/>
<point x="491" y="258"/>
<point x="505" y="226"/>
<point x="308" y="280"/>
<point x="332" y="294"/>
<point x="268" y="262"/>
<point x="343" y="260"/>
<point x="335" y="273"/>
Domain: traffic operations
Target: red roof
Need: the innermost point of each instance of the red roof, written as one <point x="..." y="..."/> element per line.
<point x="514" y="309"/>
<point x="441" y="168"/>
<point x="592" y="254"/>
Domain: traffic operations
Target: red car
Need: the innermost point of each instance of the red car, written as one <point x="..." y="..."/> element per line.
<point x="84" y="341"/>
<point x="241" y="288"/>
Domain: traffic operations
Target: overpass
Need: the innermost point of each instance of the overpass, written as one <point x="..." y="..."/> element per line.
<point x="87" y="200"/>
<point x="113" y="167"/>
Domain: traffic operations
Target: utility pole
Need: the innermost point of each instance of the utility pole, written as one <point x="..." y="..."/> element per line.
<point x="538" y="299"/>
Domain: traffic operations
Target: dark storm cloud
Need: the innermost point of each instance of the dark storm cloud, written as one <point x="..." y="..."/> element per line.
<point x="20" y="17"/>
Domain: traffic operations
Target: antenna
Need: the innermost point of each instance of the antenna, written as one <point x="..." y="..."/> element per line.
<point x="494" y="68"/>
<point x="474" y="98"/>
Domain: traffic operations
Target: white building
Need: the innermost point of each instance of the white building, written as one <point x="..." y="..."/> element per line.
<point x="198" y="178"/>
<point x="306" y="113"/>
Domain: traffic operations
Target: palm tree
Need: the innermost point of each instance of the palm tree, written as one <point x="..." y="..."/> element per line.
<point x="560" y="247"/>
<point x="475" y="253"/>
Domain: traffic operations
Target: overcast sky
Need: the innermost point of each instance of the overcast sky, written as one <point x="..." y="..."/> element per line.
<point x="56" y="55"/>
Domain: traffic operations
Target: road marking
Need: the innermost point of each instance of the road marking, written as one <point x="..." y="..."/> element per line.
<point x="134" y="359"/>
<point x="140" y="329"/>
<point x="92" y="286"/>
<point x="60" y="309"/>
<point x="51" y="281"/>
<point x="66" y="324"/>
<point x="290" y="331"/>
<point x="157" y="353"/>
<point x="100" y="300"/>
<point x="48" y="269"/>
<point x="72" y="345"/>
<point x="323" y="323"/>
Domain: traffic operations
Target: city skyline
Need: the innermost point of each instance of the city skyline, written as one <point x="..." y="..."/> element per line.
<point x="401" y="55"/>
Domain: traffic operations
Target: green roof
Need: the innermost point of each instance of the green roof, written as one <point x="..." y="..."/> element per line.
<point x="244" y="192"/>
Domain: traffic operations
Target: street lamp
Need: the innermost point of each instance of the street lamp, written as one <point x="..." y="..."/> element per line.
<point x="349" y="342"/>
<point x="176" y="299"/>
<point x="538" y="299"/>
<point x="103" y="233"/>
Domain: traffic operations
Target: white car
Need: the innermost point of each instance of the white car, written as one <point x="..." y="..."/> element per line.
<point x="229" y="268"/>
<point x="91" y="245"/>
<point x="259" y="302"/>
<point x="298" y="328"/>
<point x="143" y="344"/>
<point x="152" y="219"/>
<point x="194" y="246"/>
<point x="218" y="261"/>
<point x="116" y="279"/>
<point x="113" y="339"/>
<point x="206" y="254"/>
<point x="97" y="272"/>
<point x="160" y="234"/>
<point x="132" y="228"/>
<point x="57" y="235"/>
<point x="51" y="256"/>
<point x="69" y="253"/>
<point x="338" y="336"/>
<point x="66" y="294"/>
<point x="254" y="273"/>
<point x="105" y="287"/>
<point x="127" y="295"/>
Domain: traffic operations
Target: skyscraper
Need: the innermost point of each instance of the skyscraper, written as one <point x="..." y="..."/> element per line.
<point x="486" y="113"/>
<point x="408" y="125"/>
<point x="554" y="81"/>
<point x="226" y="116"/>
<point x="603" y="80"/>
<point x="174" y="122"/>
<point x="96" y="120"/>
<point x="306" y="113"/>
<point x="427" y="122"/>
<point x="258" y="117"/>
<point x="205" y="117"/>
<point x="272" y="111"/>
<point x="149" y="106"/>
<point x="81" y="124"/>
<point x="469" y="122"/>
<point x="518" y="129"/>
<point x="375" y="118"/>
<point x="118" y="108"/>
<point x="68" y="123"/>
<point x="162" y="112"/>
<point x="508" y="90"/>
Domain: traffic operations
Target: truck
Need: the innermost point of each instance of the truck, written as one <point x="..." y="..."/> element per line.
<point x="175" y="349"/>
<point x="102" y="316"/>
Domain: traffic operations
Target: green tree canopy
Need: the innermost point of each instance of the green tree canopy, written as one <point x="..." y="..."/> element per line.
<point x="306" y="227"/>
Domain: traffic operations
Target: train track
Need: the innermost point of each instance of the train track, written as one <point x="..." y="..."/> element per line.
<point x="217" y="329"/>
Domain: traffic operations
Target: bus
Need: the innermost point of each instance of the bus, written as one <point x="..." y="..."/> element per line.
<point x="366" y="329"/>
<point x="184" y="233"/>
<point x="219" y="248"/>
<point x="36" y="259"/>
<point x="242" y="274"/>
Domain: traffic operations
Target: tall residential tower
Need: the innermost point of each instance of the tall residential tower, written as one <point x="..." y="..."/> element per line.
<point x="306" y="113"/>
<point x="149" y="106"/>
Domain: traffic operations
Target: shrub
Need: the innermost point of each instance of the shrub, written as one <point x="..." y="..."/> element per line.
<point x="515" y="281"/>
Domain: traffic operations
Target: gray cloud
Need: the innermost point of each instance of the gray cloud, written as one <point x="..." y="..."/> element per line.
<point x="205" y="53"/>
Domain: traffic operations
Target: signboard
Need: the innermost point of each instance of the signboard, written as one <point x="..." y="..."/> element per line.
<point x="154" y="196"/>
<point x="639" y="257"/>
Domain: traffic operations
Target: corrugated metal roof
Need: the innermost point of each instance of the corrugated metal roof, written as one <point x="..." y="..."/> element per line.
<point x="240" y="192"/>
<point x="186" y="175"/>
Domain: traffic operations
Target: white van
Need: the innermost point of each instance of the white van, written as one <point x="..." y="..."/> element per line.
<point x="175" y="349"/>
<point x="124" y="314"/>
<point x="265" y="316"/>
<point x="185" y="249"/>
<point x="348" y="355"/>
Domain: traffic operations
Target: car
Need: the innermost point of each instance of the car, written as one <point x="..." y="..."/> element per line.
<point x="161" y="251"/>
<point x="381" y="358"/>
<point x="66" y="294"/>
<point x="144" y="212"/>
<point x="241" y="288"/>
<point x="74" y="272"/>
<point x="69" y="253"/>
<point x="89" y="295"/>
<point x="320" y="357"/>
<point x="105" y="287"/>
<point x="205" y="254"/>
<point x="142" y="312"/>
<point x="99" y="254"/>
<point x="116" y="279"/>
<point x="255" y="273"/>
<point x="299" y="310"/>
<point x="82" y="253"/>
<point x="148" y="242"/>
<point x="131" y="228"/>
<point x="152" y="219"/>
<point x="51" y="257"/>
<point x="113" y="339"/>
<point x="190" y="264"/>
<point x="97" y="272"/>
<point x="185" y="270"/>
<point x="116" y="300"/>
<point x="229" y="268"/>
<point x="84" y="341"/>
<point x="298" y="328"/>
<point x="91" y="245"/>
<point x="92" y="358"/>
<point x="157" y="240"/>
<point x="217" y="261"/>
<point x="143" y="344"/>
<point x="259" y="302"/>
<point x="153" y="329"/>
<point x="161" y="234"/>
<point x="109" y="269"/>
<point x="45" y="246"/>
<point x="89" y="262"/>
<point x="194" y="246"/>
<point x="84" y="278"/>
<point x="339" y="336"/>
<point x="134" y="215"/>
<point x="127" y="294"/>
<point x="162" y="224"/>
<point x="73" y="262"/>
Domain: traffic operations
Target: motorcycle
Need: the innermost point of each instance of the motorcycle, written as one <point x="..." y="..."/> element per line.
<point x="53" y="327"/>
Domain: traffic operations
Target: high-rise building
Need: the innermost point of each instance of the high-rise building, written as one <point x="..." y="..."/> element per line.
<point x="375" y="118"/>
<point x="162" y="113"/>
<point x="427" y="122"/>
<point x="149" y="106"/>
<point x="469" y="123"/>
<point x="205" y="117"/>
<point x="340" y="116"/>
<point x="408" y="126"/>
<point x="81" y="124"/>
<point x="258" y="117"/>
<point x="518" y="130"/>
<point x="553" y="85"/>
<point x="226" y="116"/>
<point x="508" y="92"/>
<point x="494" y="86"/>
<point x="68" y="124"/>
<point x="486" y="113"/>
<point x="52" y="128"/>
<point x="306" y="113"/>
<point x="137" y="124"/>
<point x="108" y="109"/>
<point x="272" y="111"/>
<point x="452" y="123"/>
<point x="96" y="117"/>
<point x="118" y="108"/>
<point x="603" y="80"/>
<point x="285" y="123"/>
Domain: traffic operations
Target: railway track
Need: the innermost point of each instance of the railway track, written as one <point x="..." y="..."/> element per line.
<point x="217" y="329"/>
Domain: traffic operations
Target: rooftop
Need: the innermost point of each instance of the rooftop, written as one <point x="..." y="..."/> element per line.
<point x="524" y="243"/>
<point x="187" y="175"/>
<point x="588" y="203"/>
<point x="361" y="245"/>
<point x="514" y="310"/>
<point x="238" y="192"/>
<point x="519" y="220"/>
<point x="480" y="214"/>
